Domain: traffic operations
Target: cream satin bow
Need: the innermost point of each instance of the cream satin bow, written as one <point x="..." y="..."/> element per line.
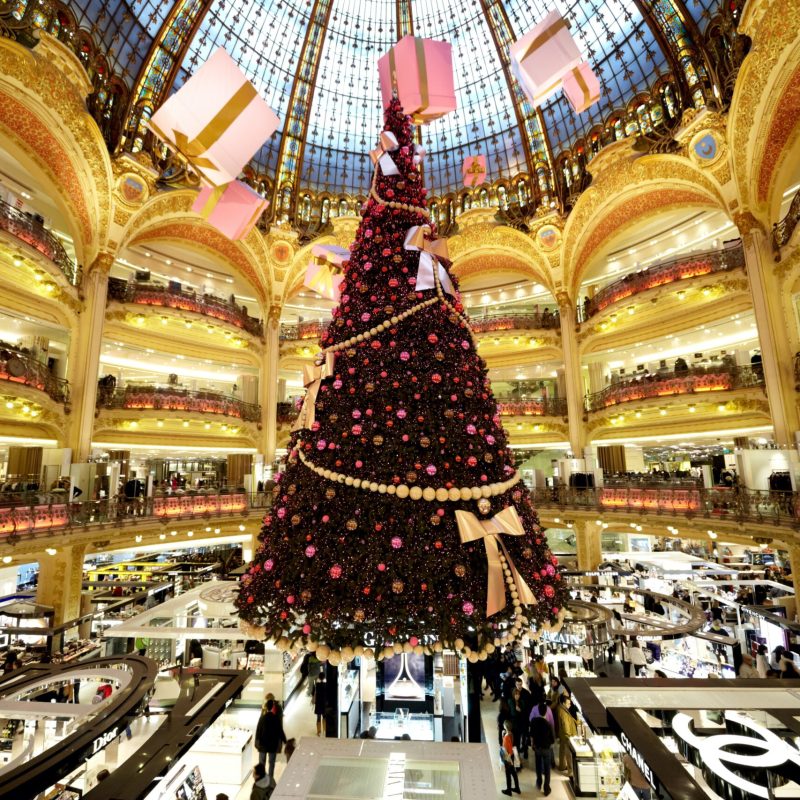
<point x="419" y="154"/>
<point x="419" y="237"/>
<point x="472" y="529"/>
<point x="312" y="378"/>
<point x="380" y="155"/>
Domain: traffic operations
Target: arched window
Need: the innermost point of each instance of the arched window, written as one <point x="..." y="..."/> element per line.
<point x="631" y="125"/>
<point x="434" y="207"/>
<point x="502" y="197"/>
<point x="344" y="209"/>
<point x="325" y="212"/>
<point x="484" y="198"/>
<point x="643" y="115"/>
<point x="619" y="129"/>
<point x="522" y="192"/>
<point x="466" y="202"/>
<point x="305" y="208"/>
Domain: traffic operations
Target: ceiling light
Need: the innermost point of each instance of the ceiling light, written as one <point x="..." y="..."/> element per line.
<point x="159" y="423"/>
<point x="51" y="551"/>
<point x="217" y="530"/>
<point x="138" y="538"/>
<point x="186" y="423"/>
<point x="692" y="409"/>
<point x="7" y="559"/>
<point x="162" y="536"/>
<point x="9" y="404"/>
<point x="241" y="528"/>
<point x="190" y="533"/>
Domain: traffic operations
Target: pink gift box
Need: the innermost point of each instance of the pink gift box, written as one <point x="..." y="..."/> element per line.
<point x="581" y="87"/>
<point x="473" y="170"/>
<point x="216" y="120"/>
<point x="233" y="209"/>
<point x="421" y="72"/>
<point x="542" y="57"/>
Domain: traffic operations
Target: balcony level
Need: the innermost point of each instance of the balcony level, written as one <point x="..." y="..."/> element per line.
<point x="150" y="311"/>
<point x="693" y="289"/>
<point x="29" y="231"/>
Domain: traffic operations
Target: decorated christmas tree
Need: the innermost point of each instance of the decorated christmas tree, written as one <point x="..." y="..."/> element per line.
<point x="399" y="522"/>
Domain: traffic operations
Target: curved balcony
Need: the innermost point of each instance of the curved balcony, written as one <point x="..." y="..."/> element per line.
<point x="286" y="413"/>
<point x="541" y="320"/>
<point x="298" y="331"/>
<point x="735" y="504"/>
<point x="670" y="384"/>
<point x="30" y="230"/>
<point x="172" y="398"/>
<point x="19" y="367"/>
<point x="537" y="407"/>
<point x="159" y="296"/>
<point x="678" y="269"/>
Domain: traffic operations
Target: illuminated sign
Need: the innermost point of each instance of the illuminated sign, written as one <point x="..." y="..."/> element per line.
<point x="638" y="759"/>
<point x="104" y="740"/>
<point x="716" y="756"/>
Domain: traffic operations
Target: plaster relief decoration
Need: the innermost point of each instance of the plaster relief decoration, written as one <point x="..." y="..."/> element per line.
<point x="704" y="148"/>
<point x="132" y="189"/>
<point x="548" y="238"/>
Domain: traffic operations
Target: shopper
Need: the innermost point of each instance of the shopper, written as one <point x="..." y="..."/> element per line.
<point x="762" y="661"/>
<point x="789" y="670"/>
<point x="269" y="736"/>
<point x="587" y="654"/>
<point x="746" y="668"/>
<point x="263" y="784"/>
<point x="542" y="741"/>
<point x="521" y="716"/>
<point x="567" y="727"/>
<point x="503" y="716"/>
<point x="638" y="660"/>
<point x="291" y="746"/>
<point x="543" y="710"/>
<point x="507" y="757"/>
<point x="318" y="701"/>
<point x="625" y="657"/>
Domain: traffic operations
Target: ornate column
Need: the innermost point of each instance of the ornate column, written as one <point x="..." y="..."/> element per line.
<point x="60" y="578"/>
<point x="777" y="358"/>
<point x="588" y="547"/>
<point x="84" y="356"/>
<point x="268" y="384"/>
<point x="572" y="374"/>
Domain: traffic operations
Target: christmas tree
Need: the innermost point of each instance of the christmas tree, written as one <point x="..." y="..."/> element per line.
<point x="399" y="522"/>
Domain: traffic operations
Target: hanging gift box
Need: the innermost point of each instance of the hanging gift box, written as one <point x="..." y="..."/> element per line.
<point x="541" y="58"/>
<point x="473" y="170"/>
<point x="216" y="120"/>
<point x="581" y="87"/>
<point x="233" y="208"/>
<point x="420" y="71"/>
<point x="323" y="272"/>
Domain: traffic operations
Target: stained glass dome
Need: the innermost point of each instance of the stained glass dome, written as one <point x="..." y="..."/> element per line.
<point x="314" y="61"/>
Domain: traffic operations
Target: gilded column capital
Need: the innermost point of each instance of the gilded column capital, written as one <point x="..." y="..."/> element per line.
<point x="274" y="314"/>
<point x="102" y="264"/>
<point x="747" y="223"/>
<point x="564" y="301"/>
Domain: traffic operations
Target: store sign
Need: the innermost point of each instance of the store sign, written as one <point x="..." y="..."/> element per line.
<point x="715" y="756"/>
<point x="638" y="759"/>
<point x="104" y="740"/>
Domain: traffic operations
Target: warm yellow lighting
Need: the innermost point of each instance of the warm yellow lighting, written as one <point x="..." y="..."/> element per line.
<point x="681" y="294"/>
<point x="663" y="412"/>
<point x="159" y="423"/>
<point x="721" y="407"/>
<point x="208" y="529"/>
<point x="706" y="292"/>
<point x="638" y="415"/>
<point x="17" y="262"/>
<point x="51" y="551"/>
<point x="217" y="530"/>
<point x="39" y="277"/>
<point x="34" y="412"/>
<point x="497" y="341"/>
<point x="224" y="427"/>
<point x="613" y="318"/>
<point x="537" y="428"/>
<point x="164" y="320"/>
<point x="631" y="309"/>
<point x="9" y="404"/>
<point x="26" y="409"/>
<point x="188" y="323"/>
<point x="173" y="533"/>
<point x="7" y="559"/>
<point x="190" y="533"/>
<point x="692" y="409"/>
<point x="207" y="426"/>
<point x="138" y="538"/>
<point x="241" y="527"/>
<point x="210" y="328"/>
<point x="162" y="536"/>
<point x="139" y="319"/>
<point x="134" y="424"/>
<point x="186" y="423"/>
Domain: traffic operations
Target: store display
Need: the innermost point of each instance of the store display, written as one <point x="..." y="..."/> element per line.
<point x="192" y="788"/>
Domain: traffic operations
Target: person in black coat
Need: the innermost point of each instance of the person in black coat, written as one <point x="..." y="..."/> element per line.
<point x="319" y="702"/>
<point x="269" y="736"/>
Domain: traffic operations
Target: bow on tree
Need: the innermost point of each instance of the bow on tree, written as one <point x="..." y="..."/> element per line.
<point x="312" y="378"/>
<point x="472" y="529"/>
<point x="419" y="154"/>
<point x="431" y="249"/>
<point x="380" y="155"/>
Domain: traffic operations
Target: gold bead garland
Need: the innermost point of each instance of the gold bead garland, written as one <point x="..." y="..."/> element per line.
<point x="373" y="193"/>
<point x="403" y="491"/>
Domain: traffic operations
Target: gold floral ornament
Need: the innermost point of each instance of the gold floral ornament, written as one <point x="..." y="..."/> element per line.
<point x="498" y="560"/>
<point x="431" y="251"/>
<point x="312" y="378"/>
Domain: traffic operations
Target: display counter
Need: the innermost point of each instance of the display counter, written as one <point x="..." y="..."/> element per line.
<point x="394" y="725"/>
<point x="225" y="754"/>
<point x="596" y="766"/>
<point x="349" y="701"/>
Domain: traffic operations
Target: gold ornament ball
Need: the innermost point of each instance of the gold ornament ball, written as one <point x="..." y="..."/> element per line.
<point x="398" y="586"/>
<point x="484" y="505"/>
<point x="460" y="570"/>
<point x="330" y="494"/>
<point x="295" y="519"/>
<point x="435" y="519"/>
<point x="351" y="524"/>
<point x="359" y="615"/>
<point x="377" y="440"/>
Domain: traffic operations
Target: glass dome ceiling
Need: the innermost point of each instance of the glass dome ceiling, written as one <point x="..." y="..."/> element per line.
<point x="268" y="38"/>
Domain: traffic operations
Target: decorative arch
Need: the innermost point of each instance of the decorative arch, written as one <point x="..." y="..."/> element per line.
<point x="168" y="217"/>
<point x="765" y="111"/>
<point x="632" y="190"/>
<point x="44" y="121"/>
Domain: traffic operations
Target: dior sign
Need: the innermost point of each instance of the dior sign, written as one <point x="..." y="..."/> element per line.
<point x="717" y="753"/>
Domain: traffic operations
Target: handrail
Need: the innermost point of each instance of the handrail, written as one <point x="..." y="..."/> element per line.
<point x="667" y="384"/>
<point x="689" y="265"/>
<point x="19" y="367"/>
<point x="782" y="231"/>
<point x="536" y="407"/>
<point x="31" y="231"/>
<point x="173" y="398"/>
<point x="734" y="504"/>
<point x="298" y="331"/>
<point x="158" y="295"/>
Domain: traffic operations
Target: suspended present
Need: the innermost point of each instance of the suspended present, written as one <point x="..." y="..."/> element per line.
<point x="581" y="87"/>
<point x="420" y="73"/>
<point x="541" y="58"/>
<point x="473" y="171"/>
<point x="216" y="120"/>
<point x="233" y="208"/>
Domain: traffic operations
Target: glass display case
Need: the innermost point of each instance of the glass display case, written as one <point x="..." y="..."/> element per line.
<point x="596" y="767"/>
<point x="393" y="725"/>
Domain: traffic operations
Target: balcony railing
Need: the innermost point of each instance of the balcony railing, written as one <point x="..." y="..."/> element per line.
<point x="30" y="230"/>
<point x="735" y="504"/>
<point x="547" y="320"/>
<point x="678" y="269"/>
<point x="537" y="407"/>
<point x="18" y="367"/>
<point x="782" y="231"/>
<point x="172" y="398"/>
<point x="47" y="512"/>
<point x="668" y="384"/>
<point x="152" y="294"/>
<point x="298" y="331"/>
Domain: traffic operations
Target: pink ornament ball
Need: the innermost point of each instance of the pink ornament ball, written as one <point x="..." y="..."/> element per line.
<point x="413" y="641"/>
<point x="268" y="565"/>
<point x="397" y="542"/>
<point x="335" y="571"/>
<point x="549" y="591"/>
<point x="381" y="567"/>
<point x="306" y="629"/>
<point x="430" y="469"/>
<point x="311" y="551"/>
<point x="468" y="608"/>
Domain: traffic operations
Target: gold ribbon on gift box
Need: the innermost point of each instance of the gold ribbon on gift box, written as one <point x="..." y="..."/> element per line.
<point x="588" y="97"/>
<point x="474" y="172"/>
<point x="212" y="200"/>
<point x="544" y="37"/>
<point x="312" y="378"/>
<point x="508" y="523"/>
<point x="193" y="149"/>
<point x="417" y="114"/>
<point x="322" y="281"/>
